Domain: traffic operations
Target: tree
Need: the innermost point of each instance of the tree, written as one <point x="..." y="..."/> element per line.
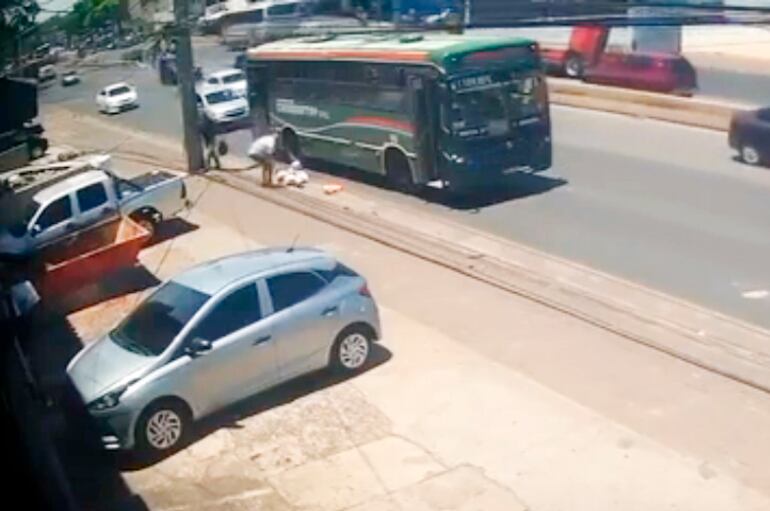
<point x="16" y="18"/>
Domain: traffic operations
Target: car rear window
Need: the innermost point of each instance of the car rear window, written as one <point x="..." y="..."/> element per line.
<point x="339" y="270"/>
<point x="117" y="91"/>
<point x="235" y="77"/>
<point x="291" y="288"/>
<point x="682" y="66"/>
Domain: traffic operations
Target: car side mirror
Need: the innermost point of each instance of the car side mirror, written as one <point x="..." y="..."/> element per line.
<point x="35" y="230"/>
<point x="198" y="346"/>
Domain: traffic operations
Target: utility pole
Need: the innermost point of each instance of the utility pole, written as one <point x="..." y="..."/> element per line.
<point x="184" y="72"/>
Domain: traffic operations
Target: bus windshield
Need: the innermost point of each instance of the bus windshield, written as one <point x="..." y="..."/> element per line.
<point x="484" y="105"/>
<point x="479" y="113"/>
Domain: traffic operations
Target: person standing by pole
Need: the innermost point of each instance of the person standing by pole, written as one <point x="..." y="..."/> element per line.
<point x="209" y="134"/>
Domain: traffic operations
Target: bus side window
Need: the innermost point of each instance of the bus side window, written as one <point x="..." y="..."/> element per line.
<point x="372" y="75"/>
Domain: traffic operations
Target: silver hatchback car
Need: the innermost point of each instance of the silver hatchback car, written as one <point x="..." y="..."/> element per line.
<point x="221" y="332"/>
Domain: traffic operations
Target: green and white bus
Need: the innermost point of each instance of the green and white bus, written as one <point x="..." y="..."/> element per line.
<point x="463" y="111"/>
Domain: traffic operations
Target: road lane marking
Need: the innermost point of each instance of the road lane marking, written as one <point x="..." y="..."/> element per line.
<point x="756" y="294"/>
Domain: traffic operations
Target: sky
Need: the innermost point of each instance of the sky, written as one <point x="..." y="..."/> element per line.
<point x="54" y="5"/>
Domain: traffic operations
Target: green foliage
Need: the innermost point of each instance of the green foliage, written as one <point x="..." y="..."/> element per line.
<point x="88" y="14"/>
<point x="16" y="16"/>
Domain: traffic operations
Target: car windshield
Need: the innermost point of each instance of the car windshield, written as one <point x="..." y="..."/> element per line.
<point x="117" y="91"/>
<point x="235" y="77"/>
<point x="156" y="322"/>
<point x="221" y="96"/>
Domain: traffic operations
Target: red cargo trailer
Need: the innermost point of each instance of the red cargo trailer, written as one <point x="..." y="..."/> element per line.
<point x="88" y="256"/>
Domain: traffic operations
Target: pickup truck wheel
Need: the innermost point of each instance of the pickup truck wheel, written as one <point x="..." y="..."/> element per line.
<point x="147" y="222"/>
<point x="36" y="151"/>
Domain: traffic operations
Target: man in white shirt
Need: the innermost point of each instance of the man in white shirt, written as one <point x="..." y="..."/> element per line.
<point x="262" y="151"/>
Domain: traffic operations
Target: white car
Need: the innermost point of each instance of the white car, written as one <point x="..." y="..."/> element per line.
<point x="234" y="79"/>
<point x="46" y="73"/>
<point x="116" y="98"/>
<point x="221" y="104"/>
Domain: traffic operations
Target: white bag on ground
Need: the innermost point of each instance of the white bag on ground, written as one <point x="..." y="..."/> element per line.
<point x="302" y="177"/>
<point x="282" y="176"/>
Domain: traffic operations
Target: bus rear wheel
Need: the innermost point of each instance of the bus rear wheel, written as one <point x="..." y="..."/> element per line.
<point x="398" y="171"/>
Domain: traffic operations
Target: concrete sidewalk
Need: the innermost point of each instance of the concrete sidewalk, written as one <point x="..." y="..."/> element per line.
<point x="438" y="425"/>
<point x="480" y="399"/>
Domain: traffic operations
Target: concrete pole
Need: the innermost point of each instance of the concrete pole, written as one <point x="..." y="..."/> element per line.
<point x="184" y="70"/>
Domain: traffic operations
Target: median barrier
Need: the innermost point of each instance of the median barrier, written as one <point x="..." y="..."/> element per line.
<point x="701" y="112"/>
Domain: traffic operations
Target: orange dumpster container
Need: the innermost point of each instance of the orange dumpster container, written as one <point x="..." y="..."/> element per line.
<point x="88" y="256"/>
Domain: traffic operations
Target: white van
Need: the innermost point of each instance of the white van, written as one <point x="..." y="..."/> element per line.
<point x="261" y="22"/>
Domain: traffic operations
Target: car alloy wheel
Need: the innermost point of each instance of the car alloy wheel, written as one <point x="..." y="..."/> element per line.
<point x="750" y="155"/>
<point x="164" y="429"/>
<point x="354" y="350"/>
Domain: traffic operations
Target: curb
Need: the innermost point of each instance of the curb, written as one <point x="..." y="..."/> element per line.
<point x="698" y="112"/>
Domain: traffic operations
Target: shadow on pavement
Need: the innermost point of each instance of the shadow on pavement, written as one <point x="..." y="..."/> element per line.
<point x="519" y="186"/>
<point x="122" y="282"/>
<point x="62" y="424"/>
<point x="280" y="395"/>
<point x="170" y="229"/>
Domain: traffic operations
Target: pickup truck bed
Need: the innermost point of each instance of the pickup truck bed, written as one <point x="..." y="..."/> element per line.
<point x="151" y="179"/>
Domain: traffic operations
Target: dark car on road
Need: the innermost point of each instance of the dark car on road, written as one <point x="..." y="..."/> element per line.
<point x="750" y="135"/>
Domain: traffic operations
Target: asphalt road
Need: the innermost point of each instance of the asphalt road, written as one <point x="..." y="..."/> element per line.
<point x="749" y="88"/>
<point x="660" y="204"/>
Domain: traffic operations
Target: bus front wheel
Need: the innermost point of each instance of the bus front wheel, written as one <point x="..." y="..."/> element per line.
<point x="398" y="171"/>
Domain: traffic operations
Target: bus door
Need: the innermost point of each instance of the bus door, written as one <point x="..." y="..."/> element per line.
<point x="257" y="76"/>
<point x="424" y="116"/>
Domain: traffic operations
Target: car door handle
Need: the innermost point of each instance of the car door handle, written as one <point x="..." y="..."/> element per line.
<point x="262" y="340"/>
<point x="330" y="310"/>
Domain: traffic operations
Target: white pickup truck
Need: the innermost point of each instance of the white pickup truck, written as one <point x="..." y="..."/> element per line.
<point x="87" y="199"/>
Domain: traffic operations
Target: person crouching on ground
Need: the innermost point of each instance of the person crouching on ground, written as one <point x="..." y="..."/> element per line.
<point x="263" y="151"/>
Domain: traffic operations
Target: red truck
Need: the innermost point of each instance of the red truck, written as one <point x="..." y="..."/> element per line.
<point x="586" y="58"/>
